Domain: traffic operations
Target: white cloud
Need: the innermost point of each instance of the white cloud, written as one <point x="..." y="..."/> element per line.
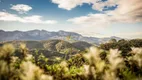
<point x="21" y="8"/>
<point x="5" y="16"/>
<point x="130" y="34"/>
<point x="91" y="20"/>
<point x="126" y="13"/>
<point x="67" y="4"/>
<point x="51" y="22"/>
<point x="100" y="5"/>
<point x="96" y="4"/>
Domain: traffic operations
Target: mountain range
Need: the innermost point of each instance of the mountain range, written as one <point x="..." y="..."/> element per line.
<point x="38" y="35"/>
<point x="51" y="48"/>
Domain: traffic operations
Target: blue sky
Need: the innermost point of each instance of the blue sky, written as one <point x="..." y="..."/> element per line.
<point x="88" y="17"/>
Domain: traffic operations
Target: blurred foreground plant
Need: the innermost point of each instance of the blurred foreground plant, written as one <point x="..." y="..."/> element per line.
<point x="95" y="64"/>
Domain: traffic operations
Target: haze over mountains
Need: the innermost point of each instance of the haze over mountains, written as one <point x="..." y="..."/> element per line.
<point x="38" y="35"/>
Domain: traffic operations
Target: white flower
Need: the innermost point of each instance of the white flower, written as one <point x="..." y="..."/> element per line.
<point x="137" y="55"/>
<point x="14" y="59"/>
<point x="86" y="68"/>
<point x="29" y="57"/>
<point x="63" y="64"/>
<point x="114" y="59"/>
<point x="22" y="46"/>
<point x="58" y="58"/>
<point x="46" y="77"/>
<point x="93" y="55"/>
<point x="136" y="50"/>
<point x="30" y="71"/>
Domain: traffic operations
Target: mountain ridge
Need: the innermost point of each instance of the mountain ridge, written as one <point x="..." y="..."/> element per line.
<point x="37" y="35"/>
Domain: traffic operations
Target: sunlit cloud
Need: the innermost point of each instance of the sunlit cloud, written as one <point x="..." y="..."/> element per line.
<point x="130" y="34"/>
<point x="91" y="20"/>
<point x="96" y="4"/>
<point x="5" y="16"/>
<point x="125" y="13"/>
<point x="21" y="8"/>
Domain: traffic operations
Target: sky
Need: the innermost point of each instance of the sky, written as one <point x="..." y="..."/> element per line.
<point x="94" y="18"/>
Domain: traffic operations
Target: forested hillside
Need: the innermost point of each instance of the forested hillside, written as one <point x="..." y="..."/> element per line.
<point x="19" y="61"/>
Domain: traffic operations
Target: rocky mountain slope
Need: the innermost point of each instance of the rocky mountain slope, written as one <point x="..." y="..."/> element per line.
<point x="37" y="35"/>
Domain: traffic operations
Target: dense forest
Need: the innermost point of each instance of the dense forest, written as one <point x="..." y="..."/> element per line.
<point x="61" y="60"/>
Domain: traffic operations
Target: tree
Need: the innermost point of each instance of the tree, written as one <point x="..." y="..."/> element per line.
<point x="112" y="41"/>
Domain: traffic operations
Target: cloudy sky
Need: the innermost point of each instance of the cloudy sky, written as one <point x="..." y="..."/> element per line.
<point x="99" y="18"/>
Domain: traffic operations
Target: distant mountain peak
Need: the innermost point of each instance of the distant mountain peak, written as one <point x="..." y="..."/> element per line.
<point x="46" y="35"/>
<point x="2" y="31"/>
<point x="61" y="31"/>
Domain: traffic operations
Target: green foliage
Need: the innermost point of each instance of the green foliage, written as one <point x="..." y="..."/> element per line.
<point x="94" y="64"/>
<point x="112" y="41"/>
<point x="128" y="75"/>
<point x="77" y="60"/>
<point x="122" y="45"/>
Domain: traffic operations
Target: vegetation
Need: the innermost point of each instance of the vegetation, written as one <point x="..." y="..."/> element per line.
<point x="122" y="45"/>
<point x="106" y="62"/>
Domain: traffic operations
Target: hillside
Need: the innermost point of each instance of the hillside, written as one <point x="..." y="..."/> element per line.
<point x="38" y="35"/>
<point x="54" y="45"/>
<point x="82" y="45"/>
